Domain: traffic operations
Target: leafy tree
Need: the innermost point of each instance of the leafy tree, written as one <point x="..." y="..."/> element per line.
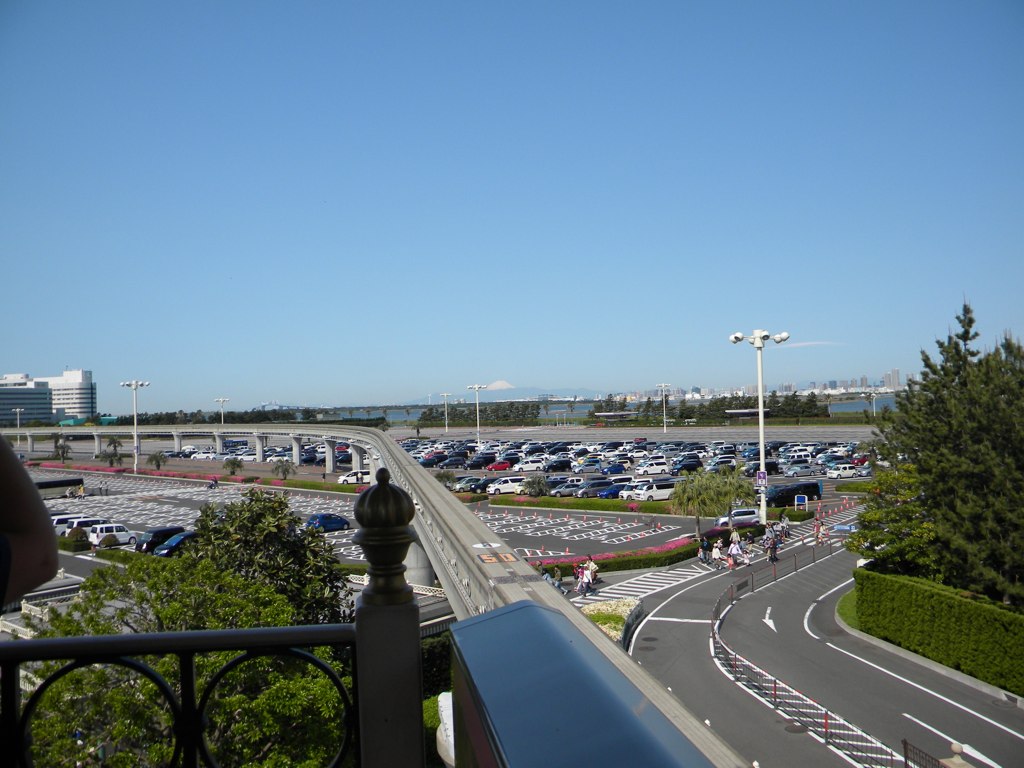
<point x="269" y="711"/>
<point x="535" y="485"/>
<point x="232" y="464"/>
<point x="894" y="530"/>
<point x="114" y="445"/>
<point x="710" y="494"/>
<point x="261" y="539"/>
<point x="284" y="468"/>
<point x="156" y="459"/>
<point x="960" y="425"/>
<point x="445" y="477"/>
<point x="112" y="458"/>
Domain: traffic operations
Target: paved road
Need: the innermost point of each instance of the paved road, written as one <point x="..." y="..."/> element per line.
<point x="889" y="695"/>
<point x="808" y="650"/>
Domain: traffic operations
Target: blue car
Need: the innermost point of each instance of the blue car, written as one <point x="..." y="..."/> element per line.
<point x="327" y="521"/>
<point x="614" y="469"/>
<point x="611" y="492"/>
<point x="173" y="545"/>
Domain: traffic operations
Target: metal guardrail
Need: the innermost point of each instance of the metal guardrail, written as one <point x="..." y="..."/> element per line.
<point x="845" y="737"/>
<point x="187" y="698"/>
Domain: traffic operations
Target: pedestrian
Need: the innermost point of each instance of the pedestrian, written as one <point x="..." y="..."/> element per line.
<point x="591" y="566"/>
<point x="734" y="554"/>
<point x="716" y="555"/>
<point x="734" y="536"/>
<point x="817" y="531"/>
<point x="705" y="550"/>
<point x="588" y="582"/>
<point x="773" y="550"/>
<point x="784" y="525"/>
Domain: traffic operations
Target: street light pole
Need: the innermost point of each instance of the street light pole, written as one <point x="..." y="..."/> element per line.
<point x="134" y="386"/>
<point x="664" y="406"/>
<point x="446" y="395"/>
<point x="758" y="338"/>
<point x="477" y="388"/>
<point x="221" y="400"/>
<point x="17" y="415"/>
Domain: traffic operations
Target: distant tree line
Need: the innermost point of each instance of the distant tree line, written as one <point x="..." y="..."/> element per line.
<point x="519" y="413"/>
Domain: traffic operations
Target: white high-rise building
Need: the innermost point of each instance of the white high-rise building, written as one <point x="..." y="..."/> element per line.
<point x="70" y="395"/>
<point x="24" y="400"/>
<point x="74" y="394"/>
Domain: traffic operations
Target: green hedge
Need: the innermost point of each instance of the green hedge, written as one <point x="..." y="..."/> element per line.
<point x="945" y="625"/>
<point x="72" y="545"/>
<point x="436" y="655"/>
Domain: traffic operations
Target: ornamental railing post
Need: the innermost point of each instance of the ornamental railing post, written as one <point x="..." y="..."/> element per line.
<point x="388" y="680"/>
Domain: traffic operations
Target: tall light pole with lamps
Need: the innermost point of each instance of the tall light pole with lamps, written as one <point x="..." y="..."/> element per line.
<point x="664" y="406"/>
<point x="758" y="338"/>
<point x="134" y="385"/>
<point x="446" y="395"/>
<point x="17" y="415"/>
<point x="221" y="400"/>
<point x="477" y="388"/>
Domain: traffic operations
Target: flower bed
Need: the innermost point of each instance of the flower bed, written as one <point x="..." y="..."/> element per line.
<point x="611" y="615"/>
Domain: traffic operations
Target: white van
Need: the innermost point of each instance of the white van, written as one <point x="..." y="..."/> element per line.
<point x="356" y="477"/>
<point x="653" y="467"/>
<point x="506" y="485"/>
<point x="99" y="532"/>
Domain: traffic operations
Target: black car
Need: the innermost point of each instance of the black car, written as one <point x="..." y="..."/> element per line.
<point x="771" y="466"/>
<point x="174" y="544"/>
<point x="785" y="495"/>
<point x="480" y="461"/>
<point x="453" y="462"/>
<point x="686" y="465"/>
<point x="433" y="461"/>
<point x="558" y="465"/>
<point x="480" y="486"/>
<point x="154" y="537"/>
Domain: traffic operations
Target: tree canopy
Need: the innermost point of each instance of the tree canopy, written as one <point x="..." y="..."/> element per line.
<point x="261" y="539"/>
<point x="268" y="711"/>
<point x="962" y="427"/>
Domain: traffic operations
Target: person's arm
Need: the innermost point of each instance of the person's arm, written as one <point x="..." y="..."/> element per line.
<point x="26" y="524"/>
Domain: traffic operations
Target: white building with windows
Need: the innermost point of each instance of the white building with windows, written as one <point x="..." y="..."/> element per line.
<point x="48" y="398"/>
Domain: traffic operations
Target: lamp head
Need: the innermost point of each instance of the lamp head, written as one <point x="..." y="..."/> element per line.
<point x="781" y="337"/>
<point x="764" y="335"/>
<point x="736" y="338"/>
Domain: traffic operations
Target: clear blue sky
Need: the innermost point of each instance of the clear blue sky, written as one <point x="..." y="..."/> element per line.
<point x="356" y="203"/>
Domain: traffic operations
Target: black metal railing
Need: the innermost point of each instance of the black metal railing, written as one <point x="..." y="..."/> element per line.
<point x="187" y="698"/>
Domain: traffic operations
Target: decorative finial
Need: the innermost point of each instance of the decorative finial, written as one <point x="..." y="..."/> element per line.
<point x="384" y="512"/>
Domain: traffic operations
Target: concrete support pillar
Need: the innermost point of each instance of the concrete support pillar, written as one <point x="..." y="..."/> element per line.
<point x="359" y="460"/>
<point x="387" y="633"/>
<point x="417" y="566"/>
<point x="218" y="438"/>
<point x="97" y="444"/>
<point x="261" y="446"/>
<point x="31" y="442"/>
<point x="329" y="456"/>
<point x="296" y="450"/>
<point x="177" y="440"/>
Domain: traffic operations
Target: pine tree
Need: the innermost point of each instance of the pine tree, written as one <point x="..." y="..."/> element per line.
<point x="962" y="426"/>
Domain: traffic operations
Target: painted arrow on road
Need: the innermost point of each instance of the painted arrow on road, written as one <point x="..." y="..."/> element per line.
<point x="768" y="620"/>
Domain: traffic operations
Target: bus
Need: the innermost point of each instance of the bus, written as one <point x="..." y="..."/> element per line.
<point x="54" y="489"/>
<point x="234" y="445"/>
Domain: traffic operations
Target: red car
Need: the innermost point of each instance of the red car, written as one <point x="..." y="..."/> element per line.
<point x="498" y="466"/>
<point x="860" y="459"/>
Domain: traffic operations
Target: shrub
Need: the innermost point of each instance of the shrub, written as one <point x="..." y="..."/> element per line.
<point x="110" y="540"/>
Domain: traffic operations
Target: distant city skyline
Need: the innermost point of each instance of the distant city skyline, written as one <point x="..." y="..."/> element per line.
<point x="333" y="203"/>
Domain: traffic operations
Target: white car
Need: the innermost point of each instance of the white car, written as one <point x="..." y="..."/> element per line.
<point x="355" y="477"/>
<point x="203" y="455"/>
<point x="506" y="485"/>
<point x="98" y="533"/>
<point x="529" y="465"/>
<point x="653" y="467"/>
<point x="840" y="471"/>
<point x="739" y="516"/>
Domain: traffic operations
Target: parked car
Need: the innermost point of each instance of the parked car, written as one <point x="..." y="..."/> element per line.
<point x="502" y="485"/>
<point x="739" y="517"/>
<point x="154" y="537"/>
<point x="499" y="466"/>
<point x="328" y="521"/>
<point x="480" y="486"/>
<point x="174" y="544"/>
<point x="771" y="466"/>
<point x="453" y="462"/>
<point x="465" y="484"/>
<point x="785" y="495"/>
<point x="613" y="469"/>
<point x="99" y="532"/>
<point x="842" y="471"/>
<point x="653" y="467"/>
<point x="612" y="491"/>
<point x="481" y="460"/>
<point x="83" y="522"/>
<point x="803" y="470"/>
<point x="565" y="489"/>
<point x="529" y="465"/>
<point x="591" y="488"/>
<point x="558" y="465"/>
<point x="865" y="470"/>
<point x="653" y="490"/>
